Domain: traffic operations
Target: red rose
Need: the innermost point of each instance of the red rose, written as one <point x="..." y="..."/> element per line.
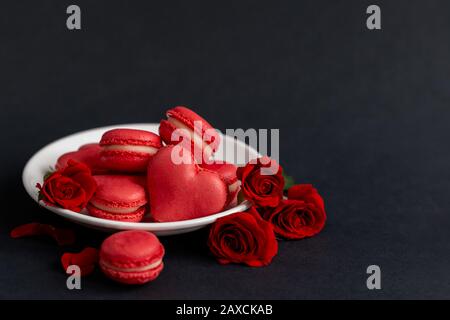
<point x="302" y="215"/>
<point x="260" y="188"/>
<point x="70" y="188"/>
<point x="307" y="193"/>
<point x="243" y="238"/>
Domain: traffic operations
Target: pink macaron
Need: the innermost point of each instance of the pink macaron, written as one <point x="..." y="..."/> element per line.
<point x="227" y="171"/>
<point x="128" y="150"/>
<point x="183" y="123"/>
<point x="132" y="257"/>
<point x="89" y="154"/>
<point x="118" y="197"/>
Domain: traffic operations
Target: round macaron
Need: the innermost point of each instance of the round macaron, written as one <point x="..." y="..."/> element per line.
<point x="183" y="123"/>
<point x="128" y="150"/>
<point x="89" y="154"/>
<point x="227" y="172"/>
<point x="131" y="257"/>
<point x="118" y="197"/>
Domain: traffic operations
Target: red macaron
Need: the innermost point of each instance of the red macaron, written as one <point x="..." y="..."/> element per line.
<point x="89" y="154"/>
<point x="132" y="257"/>
<point x="128" y="150"/>
<point x="118" y="197"/>
<point x="228" y="173"/>
<point x="183" y="123"/>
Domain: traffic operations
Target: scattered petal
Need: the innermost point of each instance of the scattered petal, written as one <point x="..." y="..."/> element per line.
<point x="61" y="236"/>
<point x="86" y="260"/>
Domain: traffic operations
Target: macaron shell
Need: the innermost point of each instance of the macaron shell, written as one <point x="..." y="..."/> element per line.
<point x="188" y="118"/>
<point x="120" y="191"/>
<point x="132" y="277"/>
<point x="88" y="154"/>
<point x="226" y="170"/>
<point x="89" y="146"/>
<point x="125" y="161"/>
<point x="166" y="130"/>
<point x="228" y="173"/>
<point x="131" y="137"/>
<point x="131" y="249"/>
<point x="135" y="216"/>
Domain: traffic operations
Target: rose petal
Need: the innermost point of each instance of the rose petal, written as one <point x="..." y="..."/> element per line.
<point x="307" y="193"/>
<point x="61" y="236"/>
<point x="86" y="260"/>
<point x="25" y="230"/>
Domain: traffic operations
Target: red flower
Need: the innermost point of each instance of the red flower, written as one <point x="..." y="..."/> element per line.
<point x="86" y="260"/>
<point x="243" y="238"/>
<point x="70" y="188"/>
<point x="61" y="236"/>
<point x="261" y="188"/>
<point x="307" y="193"/>
<point x="302" y="215"/>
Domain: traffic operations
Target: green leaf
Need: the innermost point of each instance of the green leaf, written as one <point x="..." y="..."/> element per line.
<point x="240" y="197"/>
<point x="47" y="174"/>
<point x="288" y="182"/>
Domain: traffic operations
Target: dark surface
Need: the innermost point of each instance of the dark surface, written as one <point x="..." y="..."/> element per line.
<point x="364" y="116"/>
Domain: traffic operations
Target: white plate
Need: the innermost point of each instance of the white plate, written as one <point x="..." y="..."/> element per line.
<point x="45" y="158"/>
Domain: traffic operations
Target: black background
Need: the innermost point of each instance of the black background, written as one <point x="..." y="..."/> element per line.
<point x="363" y="116"/>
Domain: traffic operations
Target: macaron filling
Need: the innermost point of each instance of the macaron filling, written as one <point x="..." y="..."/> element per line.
<point x="118" y="210"/>
<point x="131" y="148"/>
<point x="195" y="137"/>
<point x="151" y="266"/>
<point x="234" y="186"/>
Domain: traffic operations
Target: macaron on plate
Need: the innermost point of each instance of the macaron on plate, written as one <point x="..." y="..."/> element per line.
<point x="45" y="159"/>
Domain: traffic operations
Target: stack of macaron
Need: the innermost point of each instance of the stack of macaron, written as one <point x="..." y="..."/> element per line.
<point x="138" y="179"/>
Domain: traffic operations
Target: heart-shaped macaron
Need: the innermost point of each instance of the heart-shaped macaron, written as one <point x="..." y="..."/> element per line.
<point x="228" y="173"/>
<point x="181" y="191"/>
